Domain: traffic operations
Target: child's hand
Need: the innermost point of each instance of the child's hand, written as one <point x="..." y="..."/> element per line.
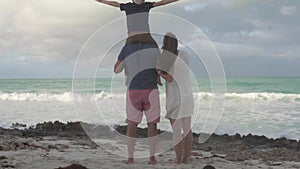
<point x="167" y="76"/>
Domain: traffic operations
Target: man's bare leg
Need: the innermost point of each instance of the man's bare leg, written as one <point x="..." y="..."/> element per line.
<point x="130" y="139"/>
<point x="152" y="133"/>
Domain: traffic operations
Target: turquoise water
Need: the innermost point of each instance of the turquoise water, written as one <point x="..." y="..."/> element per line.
<point x="266" y="85"/>
<point x="234" y="85"/>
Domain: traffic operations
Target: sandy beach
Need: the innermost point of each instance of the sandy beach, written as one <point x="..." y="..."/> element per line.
<point x="53" y="145"/>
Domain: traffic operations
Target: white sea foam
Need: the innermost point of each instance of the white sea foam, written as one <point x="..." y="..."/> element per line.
<point x="260" y="117"/>
<point x="68" y="96"/>
<point x="63" y="97"/>
<point x="265" y="96"/>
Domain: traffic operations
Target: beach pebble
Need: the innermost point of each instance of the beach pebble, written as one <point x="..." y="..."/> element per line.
<point x="4" y="148"/>
<point x="8" y="165"/>
<point x="275" y="163"/>
<point x="3" y="157"/>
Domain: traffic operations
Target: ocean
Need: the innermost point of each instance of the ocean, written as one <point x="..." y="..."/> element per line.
<point x="260" y="106"/>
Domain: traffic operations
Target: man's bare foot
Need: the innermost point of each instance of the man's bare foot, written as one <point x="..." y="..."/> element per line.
<point x="152" y="160"/>
<point x="129" y="161"/>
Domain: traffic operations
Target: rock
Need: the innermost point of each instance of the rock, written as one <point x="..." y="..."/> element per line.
<point x="281" y="142"/>
<point x="3" y="148"/>
<point x="256" y="140"/>
<point x="298" y="146"/>
<point x="3" y="157"/>
<point x="18" y="125"/>
<point x="237" y="137"/>
<point x="73" y="166"/>
<point x="62" y="146"/>
<point x="209" y="167"/>
<point x="8" y="166"/>
<point x="275" y="163"/>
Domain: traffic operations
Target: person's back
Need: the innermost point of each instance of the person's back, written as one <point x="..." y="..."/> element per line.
<point x="140" y="62"/>
<point x="179" y="96"/>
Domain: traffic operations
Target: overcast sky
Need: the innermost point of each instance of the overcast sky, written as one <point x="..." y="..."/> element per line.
<point x="42" y="38"/>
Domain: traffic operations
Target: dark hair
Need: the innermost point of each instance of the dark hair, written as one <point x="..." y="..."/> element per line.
<point x="170" y="43"/>
<point x="169" y="52"/>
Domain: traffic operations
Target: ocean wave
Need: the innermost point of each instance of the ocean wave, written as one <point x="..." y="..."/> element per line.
<point x="63" y="97"/>
<point x="69" y="96"/>
<point x="264" y="96"/>
<point x="60" y="97"/>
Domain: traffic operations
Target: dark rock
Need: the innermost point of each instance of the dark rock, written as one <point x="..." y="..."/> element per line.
<point x="3" y="157"/>
<point x="281" y="142"/>
<point x="8" y="166"/>
<point x="298" y="146"/>
<point x="237" y="137"/>
<point x="18" y="125"/>
<point x="209" y="167"/>
<point x="73" y="166"/>
<point x="251" y="140"/>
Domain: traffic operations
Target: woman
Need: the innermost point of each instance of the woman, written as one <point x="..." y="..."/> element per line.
<point x="179" y="96"/>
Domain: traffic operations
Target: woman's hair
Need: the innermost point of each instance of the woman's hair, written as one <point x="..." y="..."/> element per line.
<point x="170" y="43"/>
<point x="169" y="52"/>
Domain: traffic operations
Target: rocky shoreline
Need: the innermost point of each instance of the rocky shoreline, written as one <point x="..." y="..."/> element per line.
<point x="233" y="148"/>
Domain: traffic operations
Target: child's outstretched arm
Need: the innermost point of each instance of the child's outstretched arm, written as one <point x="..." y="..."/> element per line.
<point x="111" y="3"/>
<point x="163" y="2"/>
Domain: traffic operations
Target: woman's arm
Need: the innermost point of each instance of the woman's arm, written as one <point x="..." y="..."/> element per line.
<point x="167" y="76"/>
<point x="111" y="3"/>
<point x="163" y="2"/>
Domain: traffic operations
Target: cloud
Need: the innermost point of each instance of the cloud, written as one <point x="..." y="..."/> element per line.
<point x="51" y="32"/>
<point x="287" y="10"/>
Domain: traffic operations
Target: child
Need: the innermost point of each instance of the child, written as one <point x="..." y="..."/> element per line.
<point x="137" y="15"/>
<point x="142" y="93"/>
<point x="179" y="99"/>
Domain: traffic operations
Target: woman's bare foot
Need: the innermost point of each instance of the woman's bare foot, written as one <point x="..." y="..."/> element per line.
<point x="174" y="161"/>
<point x="152" y="160"/>
<point x="129" y="161"/>
<point x="187" y="160"/>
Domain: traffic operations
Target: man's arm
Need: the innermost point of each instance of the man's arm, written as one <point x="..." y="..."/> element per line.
<point x="111" y="3"/>
<point x="119" y="66"/>
<point x="163" y="2"/>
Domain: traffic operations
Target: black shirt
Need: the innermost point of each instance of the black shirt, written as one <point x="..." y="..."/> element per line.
<point x="137" y="16"/>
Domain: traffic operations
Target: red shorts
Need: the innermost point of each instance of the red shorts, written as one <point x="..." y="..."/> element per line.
<point x="139" y="101"/>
